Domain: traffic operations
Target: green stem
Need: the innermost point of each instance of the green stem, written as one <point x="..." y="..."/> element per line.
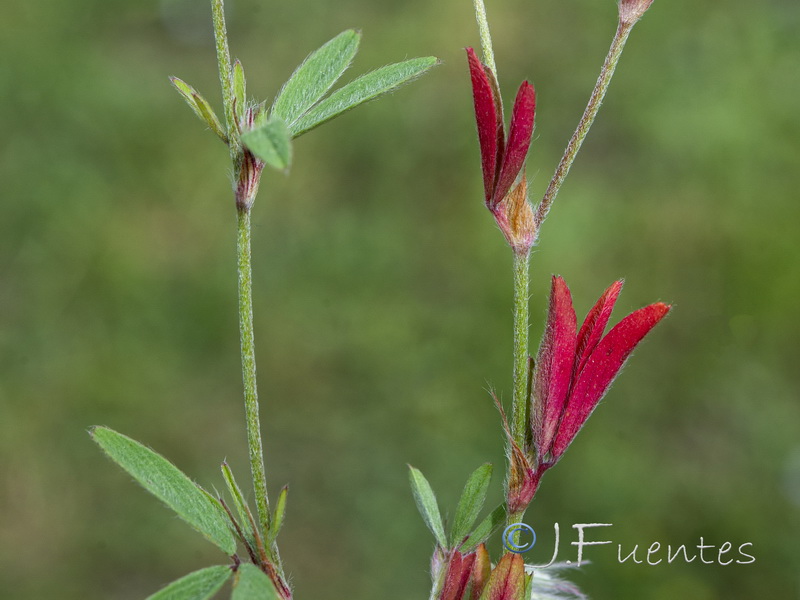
<point x="438" y="585"/>
<point x="519" y="399"/>
<point x="592" y="108"/>
<point x="247" y="341"/>
<point x="225" y="79"/>
<point x="486" y="38"/>
<point x="246" y="178"/>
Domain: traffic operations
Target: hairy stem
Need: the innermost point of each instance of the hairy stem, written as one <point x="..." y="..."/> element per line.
<point x="225" y="79"/>
<point x="247" y="342"/>
<point x="592" y="108"/>
<point x="246" y="176"/>
<point x="486" y="38"/>
<point x="519" y="399"/>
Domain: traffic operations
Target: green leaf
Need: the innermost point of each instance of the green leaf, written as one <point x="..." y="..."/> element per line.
<point x="277" y="515"/>
<point x="246" y="521"/>
<point x="261" y="114"/>
<point x="200" y="585"/>
<point x="271" y="142"/>
<point x="485" y="528"/>
<point x="426" y="503"/>
<point x="163" y="479"/>
<point x="471" y="503"/>
<point x="315" y="76"/>
<point x="239" y="89"/>
<point x="366" y="87"/>
<point x="200" y="107"/>
<point x="252" y="584"/>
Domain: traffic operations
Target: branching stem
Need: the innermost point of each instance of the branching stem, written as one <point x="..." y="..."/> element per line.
<point x="592" y="108"/>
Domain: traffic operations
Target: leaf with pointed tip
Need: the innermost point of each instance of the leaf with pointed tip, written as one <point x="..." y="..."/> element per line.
<point x="200" y="107"/>
<point x="252" y="584"/>
<point x="239" y="88"/>
<point x="167" y="483"/>
<point x="528" y="593"/>
<point x="245" y="516"/>
<point x="271" y="142"/>
<point x="485" y="528"/>
<point x="278" y="514"/>
<point x="315" y="76"/>
<point x="426" y="503"/>
<point x="471" y="503"/>
<point x="367" y="87"/>
<point x="261" y="114"/>
<point x="200" y="585"/>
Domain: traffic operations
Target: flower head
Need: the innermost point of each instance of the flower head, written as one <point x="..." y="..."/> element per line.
<point x="574" y="369"/>
<point x="503" y="158"/>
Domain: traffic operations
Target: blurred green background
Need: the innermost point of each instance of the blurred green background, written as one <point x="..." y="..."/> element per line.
<point x="382" y="290"/>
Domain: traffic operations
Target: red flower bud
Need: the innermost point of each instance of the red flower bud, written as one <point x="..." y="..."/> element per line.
<point x="508" y="580"/>
<point x="519" y="140"/>
<point x="574" y="370"/>
<point x="631" y="11"/>
<point x="459" y="570"/>
<point x="488" y="114"/>
<point x="503" y="162"/>
<point x="481" y="569"/>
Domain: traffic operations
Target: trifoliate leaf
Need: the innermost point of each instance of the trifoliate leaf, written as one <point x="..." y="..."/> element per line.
<point x="315" y="76"/>
<point x="367" y="87"/>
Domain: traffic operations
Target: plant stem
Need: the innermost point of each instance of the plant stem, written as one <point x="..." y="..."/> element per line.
<point x="249" y="369"/>
<point x="592" y="108"/>
<point x="246" y="176"/>
<point x="486" y="38"/>
<point x="225" y="80"/>
<point x="519" y="399"/>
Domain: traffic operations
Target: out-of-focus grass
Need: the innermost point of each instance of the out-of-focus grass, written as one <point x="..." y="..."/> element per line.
<point x="382" y="290"/>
